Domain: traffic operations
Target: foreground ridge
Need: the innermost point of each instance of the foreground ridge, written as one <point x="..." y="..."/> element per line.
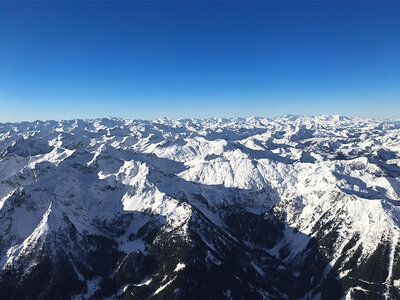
<point x="259" y="208"/>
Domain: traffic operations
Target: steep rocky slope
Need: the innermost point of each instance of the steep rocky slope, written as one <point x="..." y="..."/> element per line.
<point x="283" y="208"/>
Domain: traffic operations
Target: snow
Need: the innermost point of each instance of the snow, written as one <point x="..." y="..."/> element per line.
<point x="92" y="286"/>
<point x="396" y="283"/>
<point x="179" y="267"/>
<point x="228" y="294"/>
<point x="393" y="243"/>
<point x="258" y="269"/>
<point x="313" y="170"/>
<point x="164" y="286"/>
<point x="132" y="246"/>
<point x="143" y="282"/>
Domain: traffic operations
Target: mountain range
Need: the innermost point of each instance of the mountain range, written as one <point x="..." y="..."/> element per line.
<point x="293" y="207"/>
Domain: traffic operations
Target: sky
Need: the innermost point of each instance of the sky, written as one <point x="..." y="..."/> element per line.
<point x="182" y="59"/>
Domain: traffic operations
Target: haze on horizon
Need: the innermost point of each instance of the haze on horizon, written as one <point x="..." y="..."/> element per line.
<point x="143" y="60"/>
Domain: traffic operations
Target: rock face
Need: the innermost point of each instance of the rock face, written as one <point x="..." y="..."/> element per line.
<point x="283" y="208"/>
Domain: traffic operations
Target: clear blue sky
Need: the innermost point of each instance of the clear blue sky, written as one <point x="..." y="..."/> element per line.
<point x="62" y="60"/>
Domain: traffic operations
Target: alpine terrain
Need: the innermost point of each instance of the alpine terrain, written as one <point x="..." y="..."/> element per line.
<point x="259" y="208"/>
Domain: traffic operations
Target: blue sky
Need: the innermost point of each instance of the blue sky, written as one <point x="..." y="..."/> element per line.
<point x="63" y="60"/>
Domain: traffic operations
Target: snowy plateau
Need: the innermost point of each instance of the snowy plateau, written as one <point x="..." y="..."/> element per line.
<point x="259" y="208"/>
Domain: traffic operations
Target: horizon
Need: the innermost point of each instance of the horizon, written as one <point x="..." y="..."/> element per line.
<point x="142" y="60"/>
<point x="240" y="119"/>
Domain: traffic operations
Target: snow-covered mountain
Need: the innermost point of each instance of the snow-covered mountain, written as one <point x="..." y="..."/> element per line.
<point x="258" y="208"/>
